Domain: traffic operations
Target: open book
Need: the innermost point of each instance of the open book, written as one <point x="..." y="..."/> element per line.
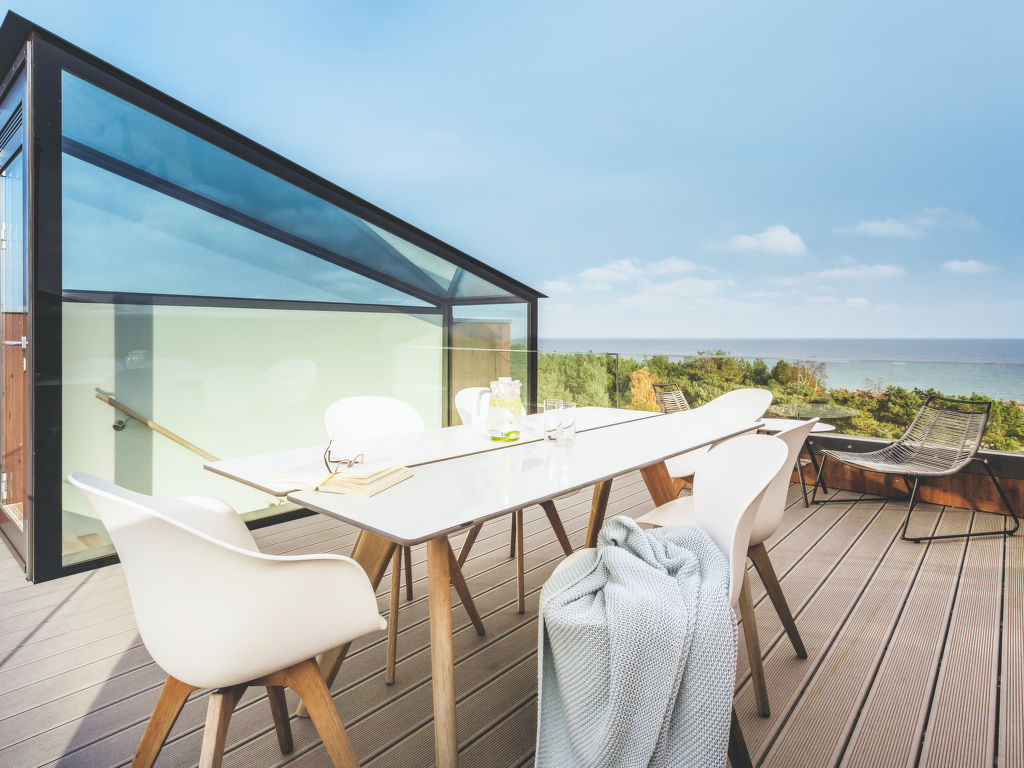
<point x="366" y="479"/>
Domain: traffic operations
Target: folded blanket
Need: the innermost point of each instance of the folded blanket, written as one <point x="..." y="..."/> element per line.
<point x="637" y="653"/>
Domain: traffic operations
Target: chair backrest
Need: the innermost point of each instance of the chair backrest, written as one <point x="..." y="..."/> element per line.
<point x="670" y="398"/>
<point x="171" y="549"/>
<point x="945" y="434"/>
<point x="471" y="403"/>
<point x="773" y="505"/>
<point x="741" y="404"/>
<point x="355" y="418"/>
<point x="727" y="489"/>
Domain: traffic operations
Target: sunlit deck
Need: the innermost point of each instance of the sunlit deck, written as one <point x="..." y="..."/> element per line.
<point x="916" y="654"/>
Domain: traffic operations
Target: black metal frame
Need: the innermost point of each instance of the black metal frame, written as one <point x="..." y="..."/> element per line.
<point x="911" y="496"/>
<point x="51" y="55"/>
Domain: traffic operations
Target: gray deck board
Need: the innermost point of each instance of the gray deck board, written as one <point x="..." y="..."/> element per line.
<point x="906" y="655"/>
<point x="961" y="726"/>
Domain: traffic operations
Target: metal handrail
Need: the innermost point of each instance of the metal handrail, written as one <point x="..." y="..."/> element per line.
<point x="117" y="405"/>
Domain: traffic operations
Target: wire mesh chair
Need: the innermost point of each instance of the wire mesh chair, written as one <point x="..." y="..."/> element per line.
<point x="670" y="398"/>
<point x="943" y="438"/>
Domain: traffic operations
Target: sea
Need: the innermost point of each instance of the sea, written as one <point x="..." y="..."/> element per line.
<point x="990" y="367"/>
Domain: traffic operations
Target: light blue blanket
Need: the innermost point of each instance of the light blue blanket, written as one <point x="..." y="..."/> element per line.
<point x="637" y="653"/>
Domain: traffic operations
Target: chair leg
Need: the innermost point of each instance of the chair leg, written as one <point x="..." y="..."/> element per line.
<point x="396" y="591"/>
<point x="800" y="477"/>
<point x="556" y="524"/>
<point x="817" y="480"/>
<point x="753" y="649"/>
<point x="975" y="535"/>
<point x="814" y="463"/>
<point x="279" y="710"/>
<point x="459" y="581"/>
<point x="520" y="570"/>
<point x="739" y="755"/>
<point x="1006" y="501"/>
<point x="168" y="707"/>
<point x="759" y="557"/>
<point x="218" y="715"/>
<point x="304" y="678"/>
<point x="408" y="572"/>
<point x="467" y="545"/>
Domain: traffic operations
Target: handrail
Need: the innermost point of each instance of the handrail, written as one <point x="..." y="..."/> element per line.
<point x="109" y="399"/>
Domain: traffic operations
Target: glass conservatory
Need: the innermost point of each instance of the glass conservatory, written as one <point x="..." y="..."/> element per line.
<point x="173" y="292"/>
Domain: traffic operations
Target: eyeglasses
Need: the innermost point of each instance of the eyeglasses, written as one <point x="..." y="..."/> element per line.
<point x="333" y="465"/>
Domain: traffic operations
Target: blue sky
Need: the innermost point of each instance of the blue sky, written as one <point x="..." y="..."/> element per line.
<point x="659" y="168"/>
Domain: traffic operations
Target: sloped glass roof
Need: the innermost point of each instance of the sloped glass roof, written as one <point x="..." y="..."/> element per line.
<point x="125" y="140"/>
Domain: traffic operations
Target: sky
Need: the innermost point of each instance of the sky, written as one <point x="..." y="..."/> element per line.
<point x="658" y="169"/>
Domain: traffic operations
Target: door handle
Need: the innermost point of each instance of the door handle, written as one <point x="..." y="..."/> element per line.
<point x="12" y="343"/>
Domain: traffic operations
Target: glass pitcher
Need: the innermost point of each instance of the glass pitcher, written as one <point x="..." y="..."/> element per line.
<point x="505" y="410"/>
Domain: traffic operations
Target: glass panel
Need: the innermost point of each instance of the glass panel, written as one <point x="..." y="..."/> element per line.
<point x="471" y="286"/>
<point x="105" y="129"/>
<point x="125" y="237"/>
<point x="232" y="381"/>
<point x="488" y="341"/>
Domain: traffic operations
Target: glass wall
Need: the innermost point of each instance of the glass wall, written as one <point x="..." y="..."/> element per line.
<point x="212" y="309"/>
<point x="488" y="341"/>
<point x="231" y="381"/>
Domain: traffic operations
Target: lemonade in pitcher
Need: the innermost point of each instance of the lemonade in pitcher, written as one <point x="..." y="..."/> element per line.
<point x="505" y="410"/>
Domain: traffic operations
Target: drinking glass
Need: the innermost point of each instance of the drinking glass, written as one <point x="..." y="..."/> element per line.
<point x="552" y="418"/>
<point x="567" y="429"/>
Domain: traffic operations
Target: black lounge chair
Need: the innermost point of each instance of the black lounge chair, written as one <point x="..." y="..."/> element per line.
<point x="943" y="439"/>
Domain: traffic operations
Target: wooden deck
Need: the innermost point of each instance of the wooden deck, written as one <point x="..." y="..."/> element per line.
<point x="916" y="654"/>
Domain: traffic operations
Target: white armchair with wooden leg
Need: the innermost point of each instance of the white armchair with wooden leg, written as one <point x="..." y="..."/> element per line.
<point x="351" y="419"/>
<point x="214" y="612"/>
<point x="742" y="405"/>
<point x="729" y="487"/>
<point x="769" y="515"/>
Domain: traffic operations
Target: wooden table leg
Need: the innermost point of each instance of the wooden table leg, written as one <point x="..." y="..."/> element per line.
<point x="597" y="510"/>
<point x="442" y="655"/>
<point x="659" y="483"/>
<point x="373" y="553"/>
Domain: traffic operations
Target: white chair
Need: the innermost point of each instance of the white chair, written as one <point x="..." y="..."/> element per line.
<point x="214" y="612"/>
<point x="740" y="405"/>
<point x="472" y="403"/>
<point x="353" y="418"/>
<point x="769" y="515"/>
<point x="728" y="490"/>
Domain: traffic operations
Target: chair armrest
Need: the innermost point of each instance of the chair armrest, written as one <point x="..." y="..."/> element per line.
<point x="228" y="614"/>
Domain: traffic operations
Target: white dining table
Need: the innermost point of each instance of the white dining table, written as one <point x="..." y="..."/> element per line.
<point x="450" y="494"/>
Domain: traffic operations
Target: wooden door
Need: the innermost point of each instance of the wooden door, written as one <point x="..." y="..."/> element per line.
<point x="14" y="381"/>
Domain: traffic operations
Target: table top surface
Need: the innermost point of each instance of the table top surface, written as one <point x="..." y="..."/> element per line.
<point x="778" y="425"/>
<point x="446" y="496"/>
<point x="282" y="472"/>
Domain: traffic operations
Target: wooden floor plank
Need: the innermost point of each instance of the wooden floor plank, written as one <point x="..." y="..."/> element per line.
<point x="1011" y="699"/>
<point x="890" y="723"/>
<point x="820" y="620"/>
<point x="961" y="728"/>
<point x="79" y="686"/>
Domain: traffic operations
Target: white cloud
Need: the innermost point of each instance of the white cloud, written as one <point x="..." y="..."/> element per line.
<point x="858" y="302"/>
<point x="886" y="228"/>
<point x="612" y="272"/>
<point x="821" y="299"/>
<point x="774" y="239"/>
<point x="969" y="267"/>
<point x="663" y="294"/>
<point x="670" y="266"/>
<point x="912" y="226"/>
<point x="556" y="287"/>
<point x="861" y="272"/>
